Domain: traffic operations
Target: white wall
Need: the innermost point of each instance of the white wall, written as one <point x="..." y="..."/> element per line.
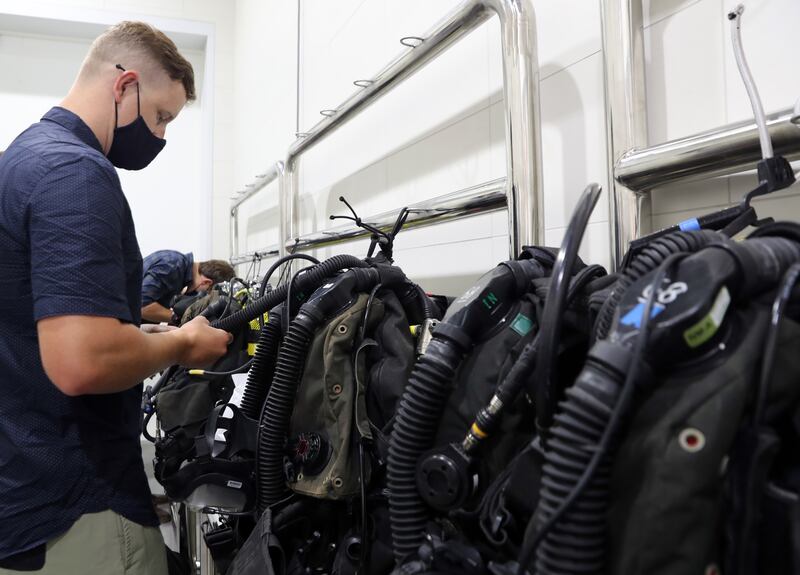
<point x="172" y="202"/>
<point x="693" y="85"/>
<point x="442" y="129"/>
<point x="265" y="100"/>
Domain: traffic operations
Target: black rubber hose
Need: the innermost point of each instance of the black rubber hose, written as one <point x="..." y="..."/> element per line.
<point x="782" y="298"/>
<point x="763" y="261"/>
<point x="308" y="281"/>
<point x="420" y="409"/>
<point x="570" y="518"/>
<point x="261" y="371"/>
<point x="278" y="263"/>
<point x="572" y="511"/>
<point x="555" y="304"/>
<point x="277" y="410"/>
<point x="649" y="259"/>
<point x="576" y="544"/>
<point x="489" y="416"/>
<point x="429" y="310"/>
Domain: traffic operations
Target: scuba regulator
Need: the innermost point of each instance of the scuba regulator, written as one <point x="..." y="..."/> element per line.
<point x="446" y="479"/>
<point x="675" y="316"/>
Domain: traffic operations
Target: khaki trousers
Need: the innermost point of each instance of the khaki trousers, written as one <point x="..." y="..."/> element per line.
<point x="104" y="543"/>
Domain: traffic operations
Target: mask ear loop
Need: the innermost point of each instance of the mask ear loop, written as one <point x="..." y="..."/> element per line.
<point x="138" y="101"/>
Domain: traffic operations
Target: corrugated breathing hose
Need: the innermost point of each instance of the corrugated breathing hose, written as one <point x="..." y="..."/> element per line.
<point x="308" y="280"/>
<point x="646" y="261"/>
<point x="570" y="520"/>
<point x="278" y="408"/>
<point x="418" y="416"/>
<point x="261" y="370"/>
<point x="577" y="543"/>
<point x="277" y="411"/>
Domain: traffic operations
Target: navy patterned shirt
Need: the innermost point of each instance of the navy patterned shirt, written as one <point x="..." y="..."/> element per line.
<point x="165" y="274"/>
<point x="67" y="247"/>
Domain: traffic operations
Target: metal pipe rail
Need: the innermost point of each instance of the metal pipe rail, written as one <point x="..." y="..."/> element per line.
<point x="262" y="180"/>
<point x="637" y="168"/>
<point x="483" y="198"/>
<point x="480" y="199"/>
<point x="521" y="91"/>
<point x="267" y="252"/>
<point x="728" y="150"/>
<point x="626" y="116"/>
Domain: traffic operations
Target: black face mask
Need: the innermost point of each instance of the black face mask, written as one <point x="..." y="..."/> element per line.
<point x="134" y="145"/>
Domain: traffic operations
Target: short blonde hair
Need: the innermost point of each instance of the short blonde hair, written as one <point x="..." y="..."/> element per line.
<point x="142" y="39"/>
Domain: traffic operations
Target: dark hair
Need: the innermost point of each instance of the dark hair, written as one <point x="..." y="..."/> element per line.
<point x="216" y="270"/>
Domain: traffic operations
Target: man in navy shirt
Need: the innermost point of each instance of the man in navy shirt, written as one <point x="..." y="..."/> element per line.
<point x="168" y="273"/>
<point x="73" y="493"/>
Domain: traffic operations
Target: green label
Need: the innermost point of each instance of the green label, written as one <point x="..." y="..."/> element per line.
<point x="704" y="329"/>
<point x="490" y="300"/>
<point x="522" y="324"/>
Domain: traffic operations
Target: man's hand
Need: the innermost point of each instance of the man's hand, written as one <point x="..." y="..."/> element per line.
<point x="90" y="354"/>
<point x="205" y="344"/>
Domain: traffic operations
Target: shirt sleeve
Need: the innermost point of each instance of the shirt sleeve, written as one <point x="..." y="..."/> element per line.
<point x="76" y="236"/>
<point x="158" y="283"/>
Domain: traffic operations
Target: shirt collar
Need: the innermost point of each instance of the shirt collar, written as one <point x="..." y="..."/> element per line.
<point x="74" y="124"/>
<point x="189" y="277"/>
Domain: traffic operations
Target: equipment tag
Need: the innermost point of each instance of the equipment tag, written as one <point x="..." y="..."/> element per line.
<point x="522" y="324"/>
<point x="704" y="329"/>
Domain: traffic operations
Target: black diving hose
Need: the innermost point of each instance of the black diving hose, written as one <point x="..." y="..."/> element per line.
<point x="279" y="262"/>
<point x="307" y="282"/>
<point x="570" y="521"/>
<point x="489" y="416"/>
<point x="429" y="310"/>
<point x="417" y="418"/>
<point x="277" y="410"/>
<point x="467" y="321"/>
<point x="555" y="305"/>
<point x="649" y="259"/>
<point x="261" y="370"/>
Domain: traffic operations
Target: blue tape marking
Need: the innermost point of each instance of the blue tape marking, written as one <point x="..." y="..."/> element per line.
<point x="690" y="225"/>
<point x="634" y="317"/>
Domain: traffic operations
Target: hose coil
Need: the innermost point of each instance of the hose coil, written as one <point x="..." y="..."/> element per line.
<point x="418" y="416"/>
<point x="646" y="261"/>
<point x="261" y="371"/>
<point x="576" y="544"/>
<point x="277" y="411"/>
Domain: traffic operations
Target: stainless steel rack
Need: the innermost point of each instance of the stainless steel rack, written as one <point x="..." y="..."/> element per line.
<point x="637" y="167"/>
<point x="521" y="189"/>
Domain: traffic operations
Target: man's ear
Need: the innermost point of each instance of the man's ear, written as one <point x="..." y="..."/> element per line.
<point x="124" y="81"/>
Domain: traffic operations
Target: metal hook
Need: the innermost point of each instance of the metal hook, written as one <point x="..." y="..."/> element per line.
<point x="328" y="113"/>
<point x="411" y="41"/>
<point x="363" y="83"/>
<point x="301" y="134"/>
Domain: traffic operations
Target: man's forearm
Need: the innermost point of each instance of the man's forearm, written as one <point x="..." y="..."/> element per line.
<point x="95" y="355"/>
<point x="156" y="313"/>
